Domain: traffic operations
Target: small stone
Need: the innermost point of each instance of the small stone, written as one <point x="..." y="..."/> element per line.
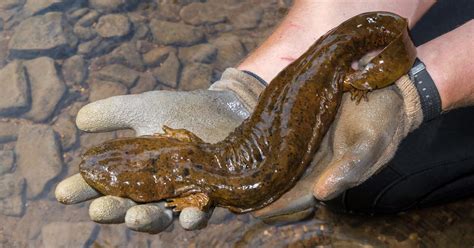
<point x="170" y="33"/>
<point x="13" y="206"/>
<point x="141" y="31"/>
<point x="84" y="33"/>
<point x="247" y="19"/>
<point x="14" y="93"/>
<point x="168" y="12"/>
<point x="220" y="215"/>
<point x="112" y="5"/>
<point x="192" y="218"/>
<point x="88" y="19"/>
<point x="10" y="185"/>
<point x="104" y="89"/>
<point x="157" y="56"/>
<point x="118" y="73"/>
<point x="93" y="139"/>
<point x="126" y="54"/>
<point x="10" y="4"/>
<point x="47" y="88"/>
<point x="74" y="70"/>
<point x="146" y="83"/>
<point x="6" y="161"/>
<point x="109" y="209"/>
<point x="8" y="131"/>
<point x="113" y="26"/>
<point x="66" y="128"/>
<point x="38" y="157"/>
<point x="196" y="76"/>
<point x="201" y="13"/>
<point x="151" y="218"/>
<point x="68" y="234"/>
<point x="34" y="7"/>
<point x="229" y="51"/>
<point x="77" y="14"/>
<point x="48" y="34"/>
<point x="202" y="53"/>
<point x="168" y="71"/>
<point x="87" y="48"/>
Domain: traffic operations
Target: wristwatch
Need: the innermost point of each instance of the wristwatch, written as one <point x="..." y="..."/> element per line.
<point x="429" y="96"/>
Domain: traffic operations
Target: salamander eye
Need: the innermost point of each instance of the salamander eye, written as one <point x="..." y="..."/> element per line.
<point x="186" y="172"/>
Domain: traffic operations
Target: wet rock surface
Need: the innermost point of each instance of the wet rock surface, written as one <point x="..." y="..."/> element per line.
<point x="38" y="157"/>
<point x="14" y="95"/>
<point x="171" y="33"/>
<point x="44" y="35"/>
<point x="167" y="44"/>
<point x="47" y="88"/>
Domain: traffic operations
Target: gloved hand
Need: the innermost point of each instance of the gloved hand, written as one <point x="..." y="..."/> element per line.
<point x="211" y="114"/>
<point x="362" y="139"/>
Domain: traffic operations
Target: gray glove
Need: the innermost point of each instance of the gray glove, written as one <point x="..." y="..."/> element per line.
<point x="210" y="114"/>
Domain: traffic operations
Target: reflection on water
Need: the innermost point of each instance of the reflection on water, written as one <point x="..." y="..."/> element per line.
<point x="57" y="55"/>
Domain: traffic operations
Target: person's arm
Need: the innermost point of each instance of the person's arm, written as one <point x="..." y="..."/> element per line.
<point x="308" y="20"/>
<point x="449" y="60"/>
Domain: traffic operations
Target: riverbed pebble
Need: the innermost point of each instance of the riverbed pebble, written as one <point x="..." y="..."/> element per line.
<point x="196" y="76"/>
<point x="74" y="70"/>
<point x="202" y="53"/>
<point x="118" y="73"/>
<point x="38" y="157"/>
<point x="47" y="88"/>
<point x="167" y="72"/>
<point x="14" y="93"/>
<point x="113" y="26"/>
<point x="170" y="33"/>
<point x="43" y="35"/>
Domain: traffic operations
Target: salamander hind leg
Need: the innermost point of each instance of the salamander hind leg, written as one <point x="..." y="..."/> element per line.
<point x="180" y="134"/>
<point x="198" y="200"/>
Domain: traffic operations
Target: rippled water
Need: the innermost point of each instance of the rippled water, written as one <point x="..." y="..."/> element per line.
<point x="58" y="55"/>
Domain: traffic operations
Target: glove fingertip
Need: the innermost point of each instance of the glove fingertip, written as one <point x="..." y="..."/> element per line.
<point x="193" y="218"/>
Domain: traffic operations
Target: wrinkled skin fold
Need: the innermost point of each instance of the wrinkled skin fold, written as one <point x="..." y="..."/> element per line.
<point x="265" y="156"/>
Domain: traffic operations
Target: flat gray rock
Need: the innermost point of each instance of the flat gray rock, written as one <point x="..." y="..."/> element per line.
<point x="112" y="5"/>
<point x="68" y="234"/>
<point x="171" y="33"/>
<point x="74" y="70"/>
<point x="7" y="158"/>
<point x="113" y="26"/>
<point x="202" y="53"/>
<point x="8" y="131"/>
<point x="47" y="88"/>
<point x="196" y="76"/>
<point x="36" y="6"/>
<point x="38" y="157"/>
<point x="14" y="93"/>
<point x="44" y="35"/>
<point x="118" y="73"/>
<point x="9" y="4"/>
<point x="168" y="71"/>
<point x="126" y="54"/>
<point x="201" y="13"/>
<point x="229" y="51"/>
<point x="104" y="89"/>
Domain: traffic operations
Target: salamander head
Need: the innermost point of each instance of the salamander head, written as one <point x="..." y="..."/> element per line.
<point x="143" y="169"/>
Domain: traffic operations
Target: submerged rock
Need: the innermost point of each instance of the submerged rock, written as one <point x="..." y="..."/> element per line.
<point x="201" y="13"/>
<point x="38" y="157"/>
<point x="157" y="55"/>
<point x="196" y="76"/>
<point x="112" y="5"/>
<point x="104" y="89"/>
<point x="45" y="35"/>
<point x="229" y="51"/>
<point x="6" y="161"/>
<point x="68" y="234"/>
<point x="146" y="83"/>
<point x="10" y="4"/>
<point x="168" y="71"/>
<point x="36" y="6"/>
<point x="14" y="93"/>
<point x="118" y="73"/>
<point x="74" y="70"/>
<point x="66" y="128"/>
<point x="126" y="54"/>
<point x="113" y="26"/>
<point x="202" y="53"/>
<point x="170" y="33"/>
<point x="47" y="88"/>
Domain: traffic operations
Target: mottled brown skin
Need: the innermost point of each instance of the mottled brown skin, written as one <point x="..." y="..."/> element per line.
<point x="268" y="152"/>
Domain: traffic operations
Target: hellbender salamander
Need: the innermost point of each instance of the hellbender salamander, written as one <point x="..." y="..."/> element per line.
<point x="265" y="156"/>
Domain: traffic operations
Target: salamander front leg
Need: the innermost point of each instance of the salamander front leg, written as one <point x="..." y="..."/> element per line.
<point x="180" y="134"/>
<point x="198" y="200"/>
